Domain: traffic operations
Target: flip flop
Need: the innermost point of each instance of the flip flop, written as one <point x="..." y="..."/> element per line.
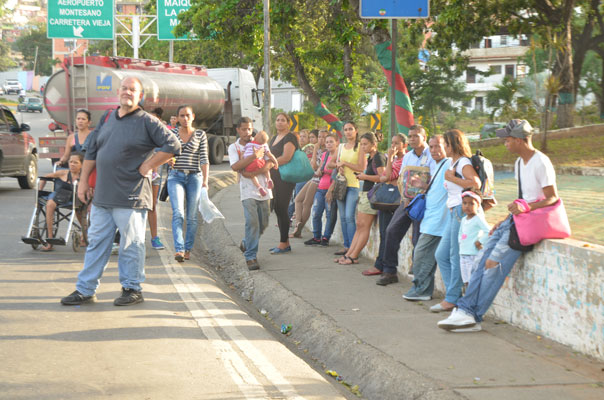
<point x="47" y="247"/>
<point x="349" y="261"/>
<point x="372" y="271"/>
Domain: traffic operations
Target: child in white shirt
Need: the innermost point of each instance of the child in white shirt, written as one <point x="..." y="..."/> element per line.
<point x="473" y="232"/>
<point x="260" y="140"/>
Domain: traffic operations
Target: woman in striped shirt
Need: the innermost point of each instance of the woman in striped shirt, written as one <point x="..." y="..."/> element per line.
<point x="188" y="175"/>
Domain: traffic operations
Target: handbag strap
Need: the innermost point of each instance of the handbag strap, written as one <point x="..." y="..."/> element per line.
<point x="434" y="177"/>
<point x="519" y="179"/>
<point x="325" y="157"/>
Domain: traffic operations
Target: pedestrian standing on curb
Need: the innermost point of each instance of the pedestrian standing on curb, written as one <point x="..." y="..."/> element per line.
<point x="188" y="174"/>
<point x="255" y="205"/>
<point x="537" y="186"/>
<point x="419" y="156"/>
<point x="282" y="145"/>
<point x="123" y="194"/>
<point x="432" y="226"/>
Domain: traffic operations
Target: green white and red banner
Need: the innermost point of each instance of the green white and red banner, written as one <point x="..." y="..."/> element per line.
<point x="403" y="109"/>
<point x="333" y="121"/>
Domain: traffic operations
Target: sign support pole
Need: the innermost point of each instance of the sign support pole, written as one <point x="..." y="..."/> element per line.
<point x="171" y="53"/>
<point x="267" y="68"/>
<point x="393" y="125"/>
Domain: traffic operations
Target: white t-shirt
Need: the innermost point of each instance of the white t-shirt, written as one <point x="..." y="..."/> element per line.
<point x="247" y="189"/>
<point x="535" y="175"/>
<point x="453" y="189"/>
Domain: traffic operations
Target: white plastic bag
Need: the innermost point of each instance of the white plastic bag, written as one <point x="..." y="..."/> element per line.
<point x="208" y="210"/>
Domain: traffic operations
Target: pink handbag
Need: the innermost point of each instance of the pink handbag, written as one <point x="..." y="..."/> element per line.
<point x="543" y="223"/>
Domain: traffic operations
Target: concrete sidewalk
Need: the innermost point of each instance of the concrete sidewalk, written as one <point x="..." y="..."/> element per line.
<point x="391" y="348"/>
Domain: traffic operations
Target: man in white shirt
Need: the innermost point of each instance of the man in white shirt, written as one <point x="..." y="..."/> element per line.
<point x="255" y="206"/>
<point x="538" y="188"/>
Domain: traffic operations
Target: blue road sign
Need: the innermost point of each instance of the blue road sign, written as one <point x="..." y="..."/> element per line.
<point x="403" y="9"/>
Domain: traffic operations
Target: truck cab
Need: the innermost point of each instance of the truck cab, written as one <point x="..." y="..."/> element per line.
<point x="12" y="86"/>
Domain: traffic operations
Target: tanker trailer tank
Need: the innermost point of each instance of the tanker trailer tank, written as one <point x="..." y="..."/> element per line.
<point x="96" y="88"/>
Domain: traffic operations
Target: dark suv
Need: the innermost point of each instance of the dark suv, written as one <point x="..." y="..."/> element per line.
<point x="18" y="153"/>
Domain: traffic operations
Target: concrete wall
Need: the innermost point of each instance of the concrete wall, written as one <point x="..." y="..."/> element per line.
<point x="556" y="291"/>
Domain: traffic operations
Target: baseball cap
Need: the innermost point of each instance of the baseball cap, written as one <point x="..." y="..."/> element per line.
<point x="518" y="128"/>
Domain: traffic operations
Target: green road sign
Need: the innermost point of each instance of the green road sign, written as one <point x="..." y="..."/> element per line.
<point x="80" y="19"/>
<point x="167" y="18"/>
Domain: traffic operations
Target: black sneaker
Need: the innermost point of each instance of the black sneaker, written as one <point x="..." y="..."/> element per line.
<point x="324" y="242"/>
<point x="387" y="279"/>
<point x="129" y="297"/>
<point x="312" y="242"/>
<point x="77" y="298"/>
<point x="252" y="265"/>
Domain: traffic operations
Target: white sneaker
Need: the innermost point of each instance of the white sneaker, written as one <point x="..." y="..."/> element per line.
<point x="459" y="319"/>
<point x="436" y="308"/>
<point x="475" y="328"/>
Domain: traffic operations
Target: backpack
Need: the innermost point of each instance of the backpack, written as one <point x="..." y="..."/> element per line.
<point x="484" y="169"/>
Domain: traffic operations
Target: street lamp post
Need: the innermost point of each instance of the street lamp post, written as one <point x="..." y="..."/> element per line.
<point x="267" y="68"/>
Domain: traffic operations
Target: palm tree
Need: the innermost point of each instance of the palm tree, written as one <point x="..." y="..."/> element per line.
<point x="502" y="99"/>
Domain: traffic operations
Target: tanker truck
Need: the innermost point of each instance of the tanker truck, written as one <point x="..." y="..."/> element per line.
<point x="218" y="97"/>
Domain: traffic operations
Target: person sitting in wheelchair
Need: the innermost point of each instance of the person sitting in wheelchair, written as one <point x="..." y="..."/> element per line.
<point x="63" y="191"/>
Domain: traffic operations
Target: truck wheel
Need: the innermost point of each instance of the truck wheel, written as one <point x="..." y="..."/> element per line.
<point x="29" y="180"/>
<point x="216" y="149"/>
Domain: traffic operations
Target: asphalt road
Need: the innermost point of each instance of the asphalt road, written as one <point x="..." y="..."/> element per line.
<point x="190" y="339"/>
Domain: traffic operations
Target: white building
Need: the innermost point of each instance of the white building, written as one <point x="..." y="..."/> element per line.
<point x="499" y="54"/>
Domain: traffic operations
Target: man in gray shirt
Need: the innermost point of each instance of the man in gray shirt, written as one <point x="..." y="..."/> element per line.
<point x="121" y="152"/>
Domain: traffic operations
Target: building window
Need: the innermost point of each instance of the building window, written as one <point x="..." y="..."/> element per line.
<point x="470" y="76"/>
<point x="478" y="104"/>
<point x="509" y="70"/>
<point x="467" y="103"/>
<point x="487" y="44"/>
<point x="496" y="69"/>
<point x="503" y="40"/>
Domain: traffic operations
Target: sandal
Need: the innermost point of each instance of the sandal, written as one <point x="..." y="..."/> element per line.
<point x="337" y="260"/>
<point x="349" y="260"/>
<point x="187" y="255"/>
<point x="47" y="247"/>
<point x="341" y="252"/>
<point x="179" y="256"/>
<point x="298" y="231"/>
<point x="372" y="271"/>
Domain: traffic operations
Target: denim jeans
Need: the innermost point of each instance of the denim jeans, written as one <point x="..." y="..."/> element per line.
<point x="320" y="205"/>
<point x="384" y="218"/>
<point x="347" y="209"/>
<point x="395" y="232"/>
<point x="131" y="259"/>
<point x="183" y="186"/>
<point x="291" y="208"/>
<point x="447" y="255"/>
<point x="424" y="264"/>
<point x="256" y="220"/>
<point x="485" y="283"/>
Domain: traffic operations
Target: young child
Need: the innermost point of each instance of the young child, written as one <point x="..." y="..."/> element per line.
<point x="473" y="232"/>
<point x="260" y="140"/>
<point x="64" y="180"/>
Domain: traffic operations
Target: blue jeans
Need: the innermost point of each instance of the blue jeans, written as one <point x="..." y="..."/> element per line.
<point x="131" y="259"/>
<point x="320" y="205"/>
<point x="485" y="283"/>
<point x="181" y="186"/>
<point x="447" y="255"/>
<point x="347" y="209"/>
<point x="291" y="208"/>
<point x="424" y="264"/>
<point x="256" y="220"/>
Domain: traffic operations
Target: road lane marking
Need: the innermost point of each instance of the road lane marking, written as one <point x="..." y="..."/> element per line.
<point x="209" y="318"/>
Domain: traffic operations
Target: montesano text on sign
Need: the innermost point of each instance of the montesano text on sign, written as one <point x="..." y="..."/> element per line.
<point x="80" y="19"/>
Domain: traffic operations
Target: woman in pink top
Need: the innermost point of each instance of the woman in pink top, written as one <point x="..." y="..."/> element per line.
<point x="320" y="204"/>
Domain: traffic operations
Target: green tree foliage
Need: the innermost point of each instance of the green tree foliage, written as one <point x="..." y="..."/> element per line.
<point x="5" y="60"/>
<point x="27" y="44"/>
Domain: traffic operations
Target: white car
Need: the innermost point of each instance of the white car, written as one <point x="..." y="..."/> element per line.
<point x="12" y="86"/>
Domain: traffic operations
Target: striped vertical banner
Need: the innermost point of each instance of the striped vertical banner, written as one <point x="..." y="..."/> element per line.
<point x="333" y="121"/>
<point x="402" y="105"/>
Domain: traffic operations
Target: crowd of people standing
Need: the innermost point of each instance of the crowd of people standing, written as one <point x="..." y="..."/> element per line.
<point x="452" y="233"/>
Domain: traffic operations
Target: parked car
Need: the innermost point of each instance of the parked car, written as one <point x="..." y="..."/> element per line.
<point x="31" y="104"/>
<point x="12" y="86"/>
<point x="488" y="129"/>
<point x="18" y="152"/>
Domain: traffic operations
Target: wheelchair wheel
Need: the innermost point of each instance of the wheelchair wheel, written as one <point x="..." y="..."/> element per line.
<point x="35" y="229"/>
<point x="75" y="240"/>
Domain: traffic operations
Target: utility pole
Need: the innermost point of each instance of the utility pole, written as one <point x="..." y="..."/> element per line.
<point x="267" y="68"/>
<point x="35" y="60"/>
<point x="393" y="125"/>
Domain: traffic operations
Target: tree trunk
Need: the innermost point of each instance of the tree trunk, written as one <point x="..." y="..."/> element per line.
<point x="301" y="74"/>
<point x="566" y="103"/>
<point x="345" y="107"/>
